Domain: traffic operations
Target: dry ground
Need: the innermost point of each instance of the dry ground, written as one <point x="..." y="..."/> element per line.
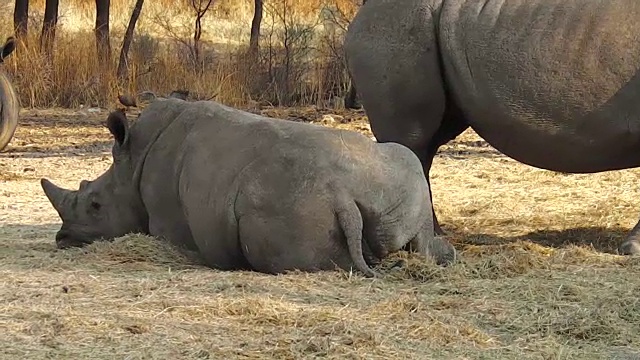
<point x="538" y="279"/>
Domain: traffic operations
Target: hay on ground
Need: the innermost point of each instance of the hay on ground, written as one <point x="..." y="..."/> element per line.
<point x="538" y="276"/>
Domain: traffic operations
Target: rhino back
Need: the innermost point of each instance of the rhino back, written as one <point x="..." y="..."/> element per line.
<point x="551" y="83"/>
<point x="207" y="140"/>
<point x="152" y="123"/>
<point x="376" y="174"/>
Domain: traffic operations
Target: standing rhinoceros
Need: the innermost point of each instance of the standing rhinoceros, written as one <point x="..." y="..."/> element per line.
<point x="250" y="192"/>
<point x="551" y="83"/>
<point x="9" y="103"/>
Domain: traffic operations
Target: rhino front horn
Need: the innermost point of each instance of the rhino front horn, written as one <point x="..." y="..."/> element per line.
<point x="55" y="194"/>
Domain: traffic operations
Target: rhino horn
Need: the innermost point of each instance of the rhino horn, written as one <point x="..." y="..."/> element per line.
<point x="56" y="195"/>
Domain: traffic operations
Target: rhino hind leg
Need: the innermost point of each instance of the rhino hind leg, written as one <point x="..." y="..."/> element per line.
<point x="305" y="233"/>
<point x="437" y="247"/>
<point x="405" y="100"/>
<point x="631" y="246"/>
<point x="350" y="220"/>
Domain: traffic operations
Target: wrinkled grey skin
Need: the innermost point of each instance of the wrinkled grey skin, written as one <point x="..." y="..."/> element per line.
<point x="551" y="83"/>
<point x="250" y="192"/>
<point x="9" y="102"/>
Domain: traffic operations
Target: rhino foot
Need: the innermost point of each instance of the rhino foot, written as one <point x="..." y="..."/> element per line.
<point x="629" y="247"/>
<point x="401" y="263"/>
<point x="442" y="251"/>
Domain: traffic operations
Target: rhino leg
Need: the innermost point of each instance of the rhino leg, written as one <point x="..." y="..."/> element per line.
<point x="631" y="246"/>
<point x="350" y="220"/>
<point x="395" y="64"/>
<point x="436" y="247"/>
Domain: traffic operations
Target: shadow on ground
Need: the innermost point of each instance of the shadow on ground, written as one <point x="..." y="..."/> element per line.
<point x="16" y="238"/>
<point x="84" y="149"/>
<point x="464" y="149"/>
<point x="19" y="239"/>
<point x="60" y="135"/>
<point x="602" y="239"/>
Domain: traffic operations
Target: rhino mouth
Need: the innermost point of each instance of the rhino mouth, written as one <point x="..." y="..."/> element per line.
<point x="64" y="240"/>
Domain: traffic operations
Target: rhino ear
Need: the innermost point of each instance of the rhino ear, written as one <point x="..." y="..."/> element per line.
<point x="8" y="48"/>
<point x="119" y="127"/>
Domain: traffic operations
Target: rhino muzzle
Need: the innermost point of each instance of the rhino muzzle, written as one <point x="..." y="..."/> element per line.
<point x="64" y="240"/>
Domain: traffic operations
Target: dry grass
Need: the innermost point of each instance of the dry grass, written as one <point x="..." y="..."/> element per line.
<point x="537" y="280"/>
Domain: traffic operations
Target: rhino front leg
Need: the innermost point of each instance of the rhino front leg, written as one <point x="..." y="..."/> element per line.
<point x="631" y="246"/>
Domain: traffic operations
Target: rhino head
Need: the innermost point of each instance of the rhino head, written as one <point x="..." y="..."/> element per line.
<point x="106" y="207"/>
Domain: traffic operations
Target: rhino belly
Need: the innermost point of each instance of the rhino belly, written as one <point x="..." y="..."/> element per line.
<point x="551" y="83"/>
<point x="547" y="145"/>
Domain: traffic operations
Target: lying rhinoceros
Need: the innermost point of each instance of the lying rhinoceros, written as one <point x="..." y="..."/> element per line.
<point x="251" y="192"/>
<point x="550" y="83"/>
<point x="9" y="103"/>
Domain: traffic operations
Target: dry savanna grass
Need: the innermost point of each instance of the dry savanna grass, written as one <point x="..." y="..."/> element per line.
<point x="538" y="278"/>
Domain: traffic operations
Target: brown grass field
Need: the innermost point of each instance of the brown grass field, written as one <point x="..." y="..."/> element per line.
<point x="537" y="278"/>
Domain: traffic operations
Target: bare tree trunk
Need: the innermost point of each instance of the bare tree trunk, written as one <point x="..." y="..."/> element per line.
<point x="200" y="7"/>
<point x="123" y="66"/>
<point x="102" y="31"/>
<point x="21" y="19"/>
<point x="255" y="27"/>
<point x="48" y="35"/>
<point x="197" y="34"/>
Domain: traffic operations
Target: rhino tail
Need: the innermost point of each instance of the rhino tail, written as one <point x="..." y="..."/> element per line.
<point x="350" y="220"/>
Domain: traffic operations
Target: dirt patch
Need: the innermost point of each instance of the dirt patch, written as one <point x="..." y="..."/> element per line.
<point x="538" y="276"/>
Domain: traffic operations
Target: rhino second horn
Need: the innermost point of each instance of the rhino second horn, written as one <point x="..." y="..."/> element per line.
<point x="55" y="194"/>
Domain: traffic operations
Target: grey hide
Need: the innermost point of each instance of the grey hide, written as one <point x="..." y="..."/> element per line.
<point x="551" y="83"/>
<point x="251" y="192"/>
<point x="9" y="102"/>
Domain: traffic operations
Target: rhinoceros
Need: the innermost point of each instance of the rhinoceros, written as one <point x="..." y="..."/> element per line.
<point x="251" y="192"/>
<point x="553" y="84"/>
<point x="9" y="103"/>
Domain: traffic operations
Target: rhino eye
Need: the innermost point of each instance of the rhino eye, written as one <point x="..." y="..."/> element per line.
<point x="95" y="206"/>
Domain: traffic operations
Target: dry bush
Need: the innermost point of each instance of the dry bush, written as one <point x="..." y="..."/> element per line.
<point x="300" y="59"/>
<point x="331" y="70"/>
<point x="302" y="62"/>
